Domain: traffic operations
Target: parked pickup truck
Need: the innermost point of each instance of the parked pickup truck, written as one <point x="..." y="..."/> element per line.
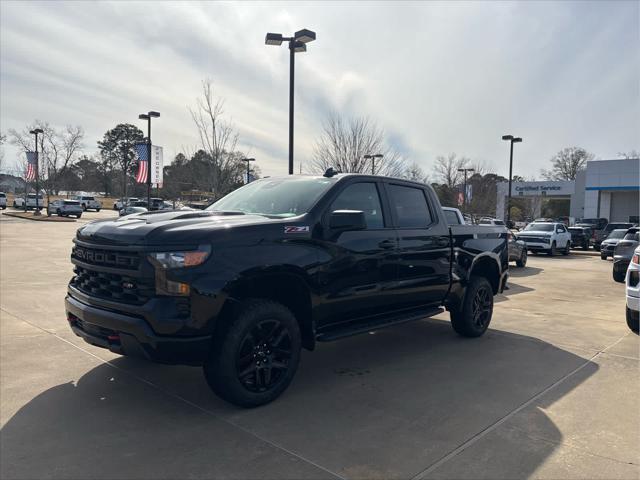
<point x="279" y="264"/>
<point x="19" y="201"/>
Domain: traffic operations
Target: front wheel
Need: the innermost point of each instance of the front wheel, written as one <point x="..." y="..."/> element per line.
<point x="552" y="250"/>
<point x="522" y="261"/>
<point x="254" y="360"/>
<point x="633" y="320"/>
<point x="97" y="209"/>
<point x="603" y="256"/>
<point x="567" y="249"/>
<point x="472" y="318"/>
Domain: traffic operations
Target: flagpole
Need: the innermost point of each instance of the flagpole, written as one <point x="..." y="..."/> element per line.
<point x="147" y="117"/>
<point x="36" y="212"/>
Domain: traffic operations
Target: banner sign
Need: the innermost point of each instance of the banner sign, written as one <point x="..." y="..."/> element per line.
<point x="156" y="166"/>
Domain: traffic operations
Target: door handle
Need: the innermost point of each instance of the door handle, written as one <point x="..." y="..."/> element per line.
<point x="386" y="244"/>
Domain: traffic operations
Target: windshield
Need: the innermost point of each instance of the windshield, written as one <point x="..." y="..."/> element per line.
<point x="615" y="226"/>
<point x="576" y="230"/>
<point x="278" y="197"/>
<point x="617" y="233"/>
<point x="540" y="227"/>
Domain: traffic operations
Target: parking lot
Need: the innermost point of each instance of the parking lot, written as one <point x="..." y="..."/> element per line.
<point x="551" y="391"/>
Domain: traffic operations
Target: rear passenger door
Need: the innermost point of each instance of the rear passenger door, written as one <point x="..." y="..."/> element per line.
<point x="423" y="245"/>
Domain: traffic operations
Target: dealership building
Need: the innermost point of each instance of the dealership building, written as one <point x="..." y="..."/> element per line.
<point x="605" y="189"/>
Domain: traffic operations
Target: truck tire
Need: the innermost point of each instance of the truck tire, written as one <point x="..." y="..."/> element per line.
<point x="472" y="318"/>
<point x="552" y="251"/>
<point x="255" y="358"/>
<point x="633" y="320"/>
<point x="522" y="261"/>
<point x="567" y="249"/>
<point x="97" y="210"/>
<point x="619" y="276"/>
<point x="603" y="256"/>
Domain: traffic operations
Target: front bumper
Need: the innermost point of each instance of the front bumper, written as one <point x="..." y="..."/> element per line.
<point x="607" y="248"/>
<point x="537" y="246"/>
<point x="132" y="336"/>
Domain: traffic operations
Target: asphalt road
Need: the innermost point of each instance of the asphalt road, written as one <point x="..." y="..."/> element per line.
<point x="551" y="391"/>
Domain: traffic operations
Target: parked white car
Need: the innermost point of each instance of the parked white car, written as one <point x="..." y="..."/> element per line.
<point x="3" y="200"/>
<point x="65" y="208"/>
<point x="88" y="203"/>
<point x="18" y="202"/>
<point x="123" y="202"/>
<point x="632" y="282"/>
<point x="492" y="222"/>
<point x="549" y="237"/>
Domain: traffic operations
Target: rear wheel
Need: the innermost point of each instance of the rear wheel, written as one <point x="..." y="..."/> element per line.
<point x="522" y="261"/>
<point x="472" y="318"/>
<point x="619" y="275"/>
<point x="633" y="320"/>
<point x="255" y="359"/>
<point x="585" y="246"/>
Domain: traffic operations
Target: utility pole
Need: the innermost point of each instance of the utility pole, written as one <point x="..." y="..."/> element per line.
<point x="512" y="140"/>
<point x="248" y="160"/>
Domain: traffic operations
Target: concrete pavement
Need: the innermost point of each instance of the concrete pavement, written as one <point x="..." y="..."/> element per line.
<point x="551" y="391"/>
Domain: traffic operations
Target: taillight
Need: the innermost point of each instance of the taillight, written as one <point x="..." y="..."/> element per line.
<point x="636" y="259"/>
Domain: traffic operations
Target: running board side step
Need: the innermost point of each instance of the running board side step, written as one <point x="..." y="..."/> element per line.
<point x="367" y="325"/>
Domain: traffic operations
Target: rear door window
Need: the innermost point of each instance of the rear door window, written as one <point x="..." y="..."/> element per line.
<point x="410" y="206"/>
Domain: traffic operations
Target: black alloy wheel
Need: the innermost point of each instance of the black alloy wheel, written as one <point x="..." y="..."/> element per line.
<point x="482" y="306"/>
<point x="264" y="356"/>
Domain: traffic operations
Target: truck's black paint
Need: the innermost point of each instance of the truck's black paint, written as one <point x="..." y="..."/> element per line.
<point x="331" y="280"/>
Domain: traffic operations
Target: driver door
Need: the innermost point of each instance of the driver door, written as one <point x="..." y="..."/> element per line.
<point x="361" y="270"/>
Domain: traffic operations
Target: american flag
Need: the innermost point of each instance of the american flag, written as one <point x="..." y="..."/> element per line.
<point x="143" y="162"/>
<point x="32" y="166"/>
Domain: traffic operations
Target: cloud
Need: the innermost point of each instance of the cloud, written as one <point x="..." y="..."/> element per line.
<point x="438" y="77"/>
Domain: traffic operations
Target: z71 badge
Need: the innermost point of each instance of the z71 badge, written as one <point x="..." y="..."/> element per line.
<point x="296" y="229"/>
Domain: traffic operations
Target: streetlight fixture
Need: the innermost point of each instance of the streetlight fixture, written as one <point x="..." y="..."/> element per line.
<point x="35" y="132"/>
<point x="464" y="191"/>
<point x="512" y="140"/>
<point x="248" y="160"/>
<point x="297" y="44"/>
<point x="373" y="161"/>
<point x="147" y="116"/>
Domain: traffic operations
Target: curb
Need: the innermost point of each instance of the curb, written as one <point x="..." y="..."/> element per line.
<point x="40" y="218"/>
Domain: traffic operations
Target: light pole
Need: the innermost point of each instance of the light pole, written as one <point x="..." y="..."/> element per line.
<point x="248" y="160"/>
<point x="297" y="43"/>
<point x="373" y="161"/>
<point x="464" y="191"/>
<point x="147" y="116"/>
<point x="35" y="132"/>
<point x="512" y="140"/>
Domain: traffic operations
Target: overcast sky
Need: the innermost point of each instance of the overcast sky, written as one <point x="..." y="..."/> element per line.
<point x="437" y="77"/>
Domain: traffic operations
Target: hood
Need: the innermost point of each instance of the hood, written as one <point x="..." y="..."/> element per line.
<point x="612" y="240"/>
<point x="533" y="233"/>
<point x="174" y="227"/>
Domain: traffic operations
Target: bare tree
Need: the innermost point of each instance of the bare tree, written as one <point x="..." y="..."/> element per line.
<point x="415" y="173"/>
<point x="218" y="139"/>
<point x="446" y="169"/>
<point x="567" y="163"/>
<point x="631" y="154"/>
<point x="344" y="143"/>
<point x="58" y="149"/>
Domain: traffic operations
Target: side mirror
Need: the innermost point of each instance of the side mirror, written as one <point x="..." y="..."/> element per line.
<point x="346" y="220"/>
<point x="558" y="230"/>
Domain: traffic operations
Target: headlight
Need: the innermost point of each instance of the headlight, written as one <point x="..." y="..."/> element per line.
<point x="188" y="258"/>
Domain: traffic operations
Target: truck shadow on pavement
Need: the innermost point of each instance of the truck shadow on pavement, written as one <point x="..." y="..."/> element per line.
<point x="387" y="404"/>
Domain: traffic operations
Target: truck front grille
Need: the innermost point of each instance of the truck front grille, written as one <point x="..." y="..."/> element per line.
<point x="113" y="286"/>
<point x="106" y="258"/>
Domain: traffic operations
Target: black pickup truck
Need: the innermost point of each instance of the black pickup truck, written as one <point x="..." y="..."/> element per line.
<point x="277" y="265"/>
